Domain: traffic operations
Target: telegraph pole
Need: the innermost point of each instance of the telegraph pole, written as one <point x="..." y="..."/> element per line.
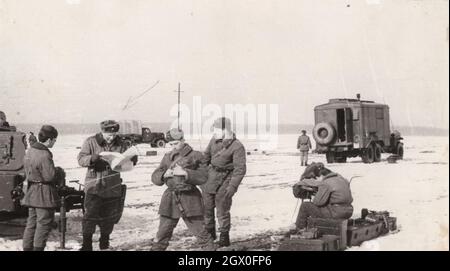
<point x="179" y="101"/>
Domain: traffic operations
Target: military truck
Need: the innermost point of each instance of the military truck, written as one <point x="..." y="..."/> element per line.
<point x="134" y="133"/>
<point x="354" y="127"/>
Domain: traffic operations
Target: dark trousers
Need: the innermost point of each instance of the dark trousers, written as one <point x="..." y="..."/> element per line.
<point x="39" y="225"/>
<point x="222" y="205"/>
<point x="195" y="225"/>
<point x="303" y="158"/>
<point x="308" y="209"/>
<point x="100" y="211"/>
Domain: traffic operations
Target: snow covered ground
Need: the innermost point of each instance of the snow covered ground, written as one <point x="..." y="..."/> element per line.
<point x="415" y="190"/>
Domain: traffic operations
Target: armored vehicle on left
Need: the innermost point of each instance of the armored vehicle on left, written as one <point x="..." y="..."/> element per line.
<point x="12" y="151"/>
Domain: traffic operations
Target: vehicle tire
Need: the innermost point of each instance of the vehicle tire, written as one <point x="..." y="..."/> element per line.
<point x="323" y="133"/>
<point x="330" y="157"/>
<point x="377" y="153"/>
<point x="341" y="159"/>
<point x="400" y="150"/>
<point x="160" y="143"/>
<point x="368" y="155"/>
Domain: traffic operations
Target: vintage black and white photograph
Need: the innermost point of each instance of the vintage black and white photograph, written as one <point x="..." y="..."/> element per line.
<point x="239" y="125"/>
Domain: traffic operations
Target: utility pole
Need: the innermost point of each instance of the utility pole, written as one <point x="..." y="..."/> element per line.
<point x="179" y="101"/>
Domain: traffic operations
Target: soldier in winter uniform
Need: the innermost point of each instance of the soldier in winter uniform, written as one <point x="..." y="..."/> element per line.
<point x="226" y="158"/>
<point x="103" y="189"/>
<point x="181" y="170"/>
<point x="41" y="196"/>
<point x="332" y="200"/>
<point x="303" y="145"/>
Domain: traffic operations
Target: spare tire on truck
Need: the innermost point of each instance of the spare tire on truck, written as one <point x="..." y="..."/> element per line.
<point x="323" y="133"/>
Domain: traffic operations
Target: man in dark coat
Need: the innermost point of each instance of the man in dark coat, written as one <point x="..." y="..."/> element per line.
<point x="102" y="186"/>
<point x="181" y="170"/>
<point x="41" y="196"/>
<point x="226" y="158"/>
<point x="303" y="145"/>
<point x="333" y="198"/>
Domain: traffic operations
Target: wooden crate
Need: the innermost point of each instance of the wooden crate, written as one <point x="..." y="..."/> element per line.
<point x="359" y="231"/>
<point x="328" y="226"/>
<point x="324" y="243"/>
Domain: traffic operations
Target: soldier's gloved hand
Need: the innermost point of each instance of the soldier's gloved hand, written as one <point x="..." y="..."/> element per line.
<point x="134" y="159"/>
<point x="95" y="158"/>
<point x="60" y="176"/>
<point x="230" y="191"/>
<point x="101" y="165"/>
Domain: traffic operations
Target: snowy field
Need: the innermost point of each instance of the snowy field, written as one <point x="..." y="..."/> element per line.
<point x="415" y="190"/>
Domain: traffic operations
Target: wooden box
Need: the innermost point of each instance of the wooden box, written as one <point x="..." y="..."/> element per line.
<point x="330" y="226"/>
<point x="324" y="243"/>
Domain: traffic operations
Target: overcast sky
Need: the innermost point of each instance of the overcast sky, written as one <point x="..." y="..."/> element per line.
<point x="79" y="61"/>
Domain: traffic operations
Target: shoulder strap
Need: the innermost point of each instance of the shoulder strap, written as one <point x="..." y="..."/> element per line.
<point x="180" y="156"/>
<point x="224" y="148"/>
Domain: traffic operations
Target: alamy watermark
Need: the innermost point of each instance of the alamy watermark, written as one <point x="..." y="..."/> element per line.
<point x="255" y="122"/>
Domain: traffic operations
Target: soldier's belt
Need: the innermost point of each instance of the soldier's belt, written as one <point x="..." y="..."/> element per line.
<point x="221" y="169"/>
<point x="40" y="183"/>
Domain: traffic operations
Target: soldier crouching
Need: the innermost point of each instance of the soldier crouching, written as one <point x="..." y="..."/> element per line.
<point x="181" y="170"/>
<point x="333" y="198"/>
<point x="103" y="186"/>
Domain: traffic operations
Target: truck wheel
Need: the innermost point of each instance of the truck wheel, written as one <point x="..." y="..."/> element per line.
<point x="161" y="143"/>
<point x="377" y="153"/>
<point x="368" y="155"/>
<point x="400" y="151"/>
<point x="341" y="159"/>
<point x="330" y="157"/>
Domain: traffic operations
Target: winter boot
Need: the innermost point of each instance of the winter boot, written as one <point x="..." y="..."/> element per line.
<point x="38" y="249"/>
<point x="27" y="249"/>
<point x="87" y="243"/>
<point x="224" y="239"/>
<point x="212" y="232"/>
<point x="104" y="242"/>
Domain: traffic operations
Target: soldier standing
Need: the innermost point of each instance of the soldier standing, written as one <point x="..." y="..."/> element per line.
<point x="41" y="196"/>
<point x="225" y="156"/>
<point x="102" y="186"/>
<point x="303" y="145"/>
<point x="181" y="170"/>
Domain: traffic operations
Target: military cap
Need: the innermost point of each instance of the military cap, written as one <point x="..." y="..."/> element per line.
<point x="47" y="132"/>
<point x="109" y="126"/>
<point x="175" y="134"/>
<point x="222" y="123"/>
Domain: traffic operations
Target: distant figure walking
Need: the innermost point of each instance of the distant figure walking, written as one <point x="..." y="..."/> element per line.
<point x="304" y="144"/>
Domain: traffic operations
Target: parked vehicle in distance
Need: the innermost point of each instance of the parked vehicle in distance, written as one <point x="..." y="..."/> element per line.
<point x="354" y="127"/>
<point x="134" y="133"/>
